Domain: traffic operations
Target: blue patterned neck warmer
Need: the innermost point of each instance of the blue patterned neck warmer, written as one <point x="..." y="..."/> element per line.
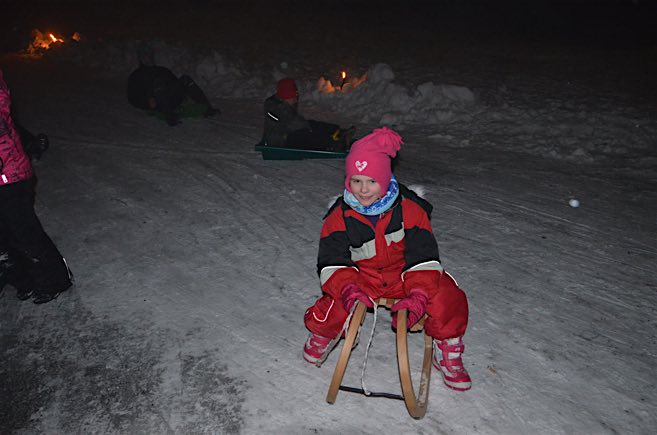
<point x="381" y="206"/>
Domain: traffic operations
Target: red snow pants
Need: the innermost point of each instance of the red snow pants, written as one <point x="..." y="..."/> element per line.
<point x="447" y="311"/>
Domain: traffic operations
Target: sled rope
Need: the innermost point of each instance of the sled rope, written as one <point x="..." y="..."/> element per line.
<point x="367" y="350"/>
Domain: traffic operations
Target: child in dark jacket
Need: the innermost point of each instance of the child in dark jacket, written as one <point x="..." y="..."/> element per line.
<point x="29" y="260"/>
<point x="285" y="127"/>
<point x="377" y="241"/>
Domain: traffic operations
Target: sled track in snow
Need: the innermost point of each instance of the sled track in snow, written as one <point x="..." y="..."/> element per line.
<point x="134" y="146"/>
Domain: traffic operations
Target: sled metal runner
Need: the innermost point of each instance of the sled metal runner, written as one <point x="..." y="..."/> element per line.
<point x="280" y="153"/>
<point x="416" y="403"/>
<point x="371" y="393"/>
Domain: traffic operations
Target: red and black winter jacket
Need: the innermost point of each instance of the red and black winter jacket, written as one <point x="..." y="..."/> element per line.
<point x="387" y="260"/>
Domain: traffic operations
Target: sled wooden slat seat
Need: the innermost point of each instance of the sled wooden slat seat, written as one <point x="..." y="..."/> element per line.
<point x="416" y="403"/>
<point x="280" y="153"/>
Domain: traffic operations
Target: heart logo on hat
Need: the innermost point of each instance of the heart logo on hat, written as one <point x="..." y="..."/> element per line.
<point x="361" y="165"/>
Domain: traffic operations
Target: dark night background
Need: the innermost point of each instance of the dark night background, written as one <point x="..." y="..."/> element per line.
<point x="607" y="36"/>
<point x="195" y="258"/>
<point x="610" y="23"/>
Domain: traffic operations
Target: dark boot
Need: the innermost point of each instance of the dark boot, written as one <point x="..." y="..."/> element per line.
<point x="12" y="274"/>
<point x="42" y="297"/>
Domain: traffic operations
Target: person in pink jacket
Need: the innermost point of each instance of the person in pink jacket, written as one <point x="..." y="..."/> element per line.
<point x="29" y="260"/>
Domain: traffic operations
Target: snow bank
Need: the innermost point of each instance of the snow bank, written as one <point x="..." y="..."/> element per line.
<point x="372" y="98"/>
<point x="375" y="98"/>
<point x="212" y="71"/>
<point x="589" y="130"/>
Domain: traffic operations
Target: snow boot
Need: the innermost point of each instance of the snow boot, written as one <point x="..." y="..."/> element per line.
<point x="9" y="276"/>
<point x="315" y="348"/>
<point x="42" y="297"/>
<point x="447" y="360"/>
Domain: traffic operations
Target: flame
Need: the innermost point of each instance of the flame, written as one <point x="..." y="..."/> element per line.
<point x="344" y="79"/>
<point x="53" y="38"/>
<point x="41" y="42"/>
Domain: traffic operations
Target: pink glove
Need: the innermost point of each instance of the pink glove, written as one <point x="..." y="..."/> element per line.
<point x="415" y="303"/>
<point x="352" y="293"/>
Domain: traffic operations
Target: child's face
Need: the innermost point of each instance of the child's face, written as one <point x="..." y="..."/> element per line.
<point x="366" y="190"/>
<point x="294" y="101"/>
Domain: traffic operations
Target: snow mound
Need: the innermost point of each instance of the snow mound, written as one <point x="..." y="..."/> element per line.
<point x="375" y="98"/>
<point x="554" y="126"/>
<point x="371" y="98"/>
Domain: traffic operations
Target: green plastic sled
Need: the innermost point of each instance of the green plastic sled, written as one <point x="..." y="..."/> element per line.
<point x="189" y="110"/>
<point x="278" y="153"/>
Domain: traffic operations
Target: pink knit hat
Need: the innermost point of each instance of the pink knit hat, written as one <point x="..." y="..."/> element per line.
<point x="371" y="156"/>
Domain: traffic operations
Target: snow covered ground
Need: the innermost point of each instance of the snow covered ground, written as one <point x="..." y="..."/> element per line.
<point x="195" y="259"/>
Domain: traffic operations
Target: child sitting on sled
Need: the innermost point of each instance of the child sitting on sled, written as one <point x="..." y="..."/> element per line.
<point x="286" y="128"/>
<point x="377" y="241"/>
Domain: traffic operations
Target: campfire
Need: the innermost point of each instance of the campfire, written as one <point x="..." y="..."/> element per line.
<point x="42" y="42"/>
<point x="347" y="84"/>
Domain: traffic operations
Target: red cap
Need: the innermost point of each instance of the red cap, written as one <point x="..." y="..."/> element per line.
<point x="286" y="89"/>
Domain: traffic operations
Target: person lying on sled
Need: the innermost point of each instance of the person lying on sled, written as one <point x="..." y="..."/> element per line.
<point x="377" y="241"/>
<point x="156" y="88"/>
<point x="286" y="128"/>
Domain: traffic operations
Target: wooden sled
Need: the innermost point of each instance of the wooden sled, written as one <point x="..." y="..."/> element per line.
<point x="416" y="403"/>
<point x="280" y="153"/>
